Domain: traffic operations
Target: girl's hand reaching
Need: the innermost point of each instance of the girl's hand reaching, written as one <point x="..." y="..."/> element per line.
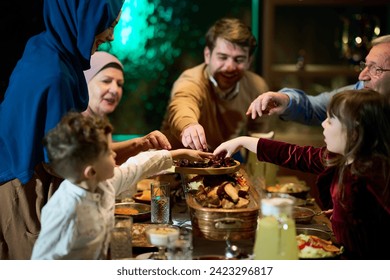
<point x="228" y="147"/>
<point x="232" y="146"/>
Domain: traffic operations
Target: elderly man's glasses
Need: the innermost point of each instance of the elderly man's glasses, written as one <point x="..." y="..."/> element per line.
<point x="373" y="70"/>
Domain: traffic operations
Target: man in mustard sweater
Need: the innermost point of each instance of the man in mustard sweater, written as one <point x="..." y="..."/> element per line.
<point x="208" y="102"/>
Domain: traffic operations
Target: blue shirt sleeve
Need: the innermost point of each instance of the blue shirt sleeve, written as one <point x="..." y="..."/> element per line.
<point x="309" y="109"/>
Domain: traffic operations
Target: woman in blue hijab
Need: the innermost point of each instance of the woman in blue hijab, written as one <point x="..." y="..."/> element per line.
<point x="47" y="82"/>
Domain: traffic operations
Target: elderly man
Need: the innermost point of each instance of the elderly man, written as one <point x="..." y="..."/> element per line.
<point x="296" y="105"/>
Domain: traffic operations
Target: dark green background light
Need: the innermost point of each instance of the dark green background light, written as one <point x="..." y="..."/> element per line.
<point x="156" y="40"/>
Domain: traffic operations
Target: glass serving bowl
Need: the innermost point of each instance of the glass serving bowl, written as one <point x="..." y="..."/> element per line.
<point x="160" y="235"/>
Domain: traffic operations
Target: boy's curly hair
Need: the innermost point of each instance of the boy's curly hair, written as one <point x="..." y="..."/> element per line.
<point x="76" y="142"/>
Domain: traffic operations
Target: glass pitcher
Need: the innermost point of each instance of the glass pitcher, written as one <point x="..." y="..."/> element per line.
<point x="276" y="234"/>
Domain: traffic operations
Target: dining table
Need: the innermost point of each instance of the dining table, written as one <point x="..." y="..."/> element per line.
<point x="204" y="248"/>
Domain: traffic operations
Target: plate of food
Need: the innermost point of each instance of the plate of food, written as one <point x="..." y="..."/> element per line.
<point x="312" y="246"/>
<point x="139" y="211"/>
<point x="144" y="184"/>
<point x="143" y="196"/>
<point x="139" y="236"/>
<point x="299" y="190"/>
<point x="303" y="214"/>
<point x="227" y="166"/>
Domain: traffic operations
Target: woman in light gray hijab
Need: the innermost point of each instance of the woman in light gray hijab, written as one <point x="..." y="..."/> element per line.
<point x="105" y="81"/>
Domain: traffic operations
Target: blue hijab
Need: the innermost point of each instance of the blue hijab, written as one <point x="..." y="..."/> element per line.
<point x="48" y="81"/>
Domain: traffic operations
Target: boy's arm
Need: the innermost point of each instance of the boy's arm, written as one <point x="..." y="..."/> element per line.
<point x="190" y="154"/>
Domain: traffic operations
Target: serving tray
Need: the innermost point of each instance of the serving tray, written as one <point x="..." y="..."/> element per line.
<point x="208" y="170"/>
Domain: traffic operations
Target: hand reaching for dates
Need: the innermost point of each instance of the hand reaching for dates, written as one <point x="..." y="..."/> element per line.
<point x="219" y="160"/>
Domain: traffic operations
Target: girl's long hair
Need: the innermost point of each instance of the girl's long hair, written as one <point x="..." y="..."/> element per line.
<point x="365" y="115"/>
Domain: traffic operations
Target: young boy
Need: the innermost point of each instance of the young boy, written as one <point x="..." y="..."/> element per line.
<point x="77" y="220"/>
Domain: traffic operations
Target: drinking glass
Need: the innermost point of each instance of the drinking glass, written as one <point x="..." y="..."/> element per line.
<point x="120" y="244"/>
<point x="160" y="202"/>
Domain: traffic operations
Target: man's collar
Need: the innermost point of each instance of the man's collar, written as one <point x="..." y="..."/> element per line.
<point x="224" y="95"/>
